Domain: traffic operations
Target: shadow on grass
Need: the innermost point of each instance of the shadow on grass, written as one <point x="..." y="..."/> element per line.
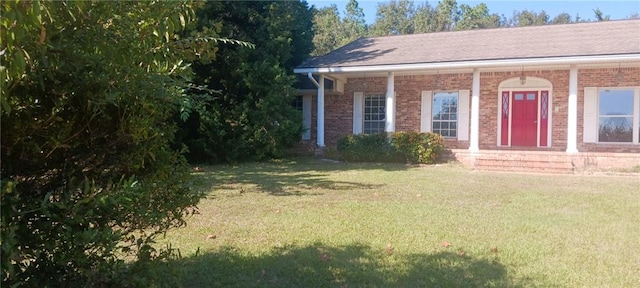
<point x="289" y="177"/>
<point x="319" y="265"/>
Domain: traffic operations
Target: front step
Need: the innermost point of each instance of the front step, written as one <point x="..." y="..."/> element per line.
<point x="523" y="165"/>
<point x="517" y="161"/>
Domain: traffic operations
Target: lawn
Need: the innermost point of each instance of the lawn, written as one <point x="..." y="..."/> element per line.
<point x="314" y="223"/>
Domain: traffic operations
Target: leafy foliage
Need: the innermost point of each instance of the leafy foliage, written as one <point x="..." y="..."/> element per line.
<point x="250" y="116"/>
<point x="394" y="18"/>
<point x="88" y="174"/>
<point x="365" y="147"/>
<point x="402" y="147"/>
<point x="397" y="17"/>
<point x="328" y="33"/>
<point x="331" y="31"/>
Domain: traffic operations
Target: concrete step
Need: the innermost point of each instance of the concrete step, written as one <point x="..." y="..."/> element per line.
<point x="524" y="164"/>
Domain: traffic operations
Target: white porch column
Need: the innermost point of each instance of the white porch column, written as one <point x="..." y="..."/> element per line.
<point x="390" y="117"/>
<point x="320" y="136"/>
<point x="474" y="137"/>
<point x="572" y="114"/>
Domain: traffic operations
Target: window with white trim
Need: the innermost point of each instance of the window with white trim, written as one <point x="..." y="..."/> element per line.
<point x="374" y="113"/>
<point x="429" y="113"/>
<point x="615" y="116"/>
<point x="612" y="115"/>
<point x="445" y="114"/>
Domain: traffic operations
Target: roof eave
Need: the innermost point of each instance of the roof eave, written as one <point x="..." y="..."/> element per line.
<point x="566" y="60"/>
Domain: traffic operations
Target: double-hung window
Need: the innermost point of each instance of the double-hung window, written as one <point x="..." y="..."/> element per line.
<point x="612" y="115"/>
<point x="616" y="115"/>
<point x="445" y="114"/>
<point x="374" y="113"/>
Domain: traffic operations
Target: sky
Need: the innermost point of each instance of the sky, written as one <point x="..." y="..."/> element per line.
<point x="616" y="9"/>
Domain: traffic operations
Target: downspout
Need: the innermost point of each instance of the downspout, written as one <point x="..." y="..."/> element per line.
<point x="310" y="75"/>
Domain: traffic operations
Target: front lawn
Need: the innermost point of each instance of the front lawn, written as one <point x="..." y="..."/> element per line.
<point x="313" y="223"/>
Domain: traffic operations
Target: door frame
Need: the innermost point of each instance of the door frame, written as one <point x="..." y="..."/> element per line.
<point x="532" y="84"/>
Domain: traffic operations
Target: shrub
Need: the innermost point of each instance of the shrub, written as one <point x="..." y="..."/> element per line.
<point x="402" y="147"/>
<point x="88" y="173"/>
<point x="415" y="147"/>
<point x="365" y="148"/>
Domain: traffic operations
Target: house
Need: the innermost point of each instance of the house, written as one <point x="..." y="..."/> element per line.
<point x="548" y="98"/>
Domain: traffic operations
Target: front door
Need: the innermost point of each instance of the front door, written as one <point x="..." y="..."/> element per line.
<point x="524" y="119"/>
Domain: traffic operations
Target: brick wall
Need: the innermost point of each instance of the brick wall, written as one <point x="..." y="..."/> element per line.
<point x="604" y="78"/>
<point x="339" y="108"/>
<point x="489" y="83"/>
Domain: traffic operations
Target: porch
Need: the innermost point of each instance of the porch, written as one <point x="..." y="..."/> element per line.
<point x="545" y="161"/>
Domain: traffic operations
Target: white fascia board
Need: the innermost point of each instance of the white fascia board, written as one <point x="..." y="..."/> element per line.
<point x="473" y="64"/>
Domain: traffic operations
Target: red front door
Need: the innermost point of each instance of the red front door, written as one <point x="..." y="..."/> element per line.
<point x="524" y="116"/>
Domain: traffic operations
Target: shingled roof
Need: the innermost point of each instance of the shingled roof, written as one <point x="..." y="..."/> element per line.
<point x="567" y="40"/>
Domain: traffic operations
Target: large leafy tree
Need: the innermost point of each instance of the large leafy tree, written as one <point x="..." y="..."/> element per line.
<point x="250" y="116"/>
<point x="394" y="18"/>
<point x="88" y="174"/>
<point x="353" y="22"/>
<point x="529" y="18"/>
<point x="332" y="32"/>
<point x="328" y="32"/>
<point x="447" y="15"/>
<point x="425" y="19"/>
<point x="477" y="17"/>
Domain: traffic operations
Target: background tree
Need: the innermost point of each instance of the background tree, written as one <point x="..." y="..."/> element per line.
<point x="328" y="32"/>
<point x="394" y="18"/>
<point x="332" y="32"/>
<point x="562" y="18"/>
<point x="447" y="15"/>
<point x="477" y="17"/>
<point x="529" y="18"/>
<point x="251" y="116"/>
<point x="425" y="19"/>
<point x="88" y="172"/>
<point x="600" y="15"/>
<point x="353" y="22"/>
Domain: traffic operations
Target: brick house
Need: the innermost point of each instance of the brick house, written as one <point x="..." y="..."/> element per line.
<point x="554" y="98"/>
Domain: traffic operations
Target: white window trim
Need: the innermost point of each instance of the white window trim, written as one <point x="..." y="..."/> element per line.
<point x="426" y="113"/>
<point x="306" y="117"/>
<point x="358" y="110"/>
<point x="382" y="96"/>
<point x="592" y="115"/>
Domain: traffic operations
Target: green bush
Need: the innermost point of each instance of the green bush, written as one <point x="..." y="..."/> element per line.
<point x="402" y="147"/>
<point x="89" y="177"/>
<point x="365" y="148"/>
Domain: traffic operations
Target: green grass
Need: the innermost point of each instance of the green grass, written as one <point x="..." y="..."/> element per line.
<point x="312" y="223"/>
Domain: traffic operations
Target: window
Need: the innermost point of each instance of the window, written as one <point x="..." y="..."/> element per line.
<point x="303" y="104"/>
<point x="374" y="113"/>
<point x="297" y="103"/>
<point x="445" y="114"/>
<point x="616" y="115"/>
